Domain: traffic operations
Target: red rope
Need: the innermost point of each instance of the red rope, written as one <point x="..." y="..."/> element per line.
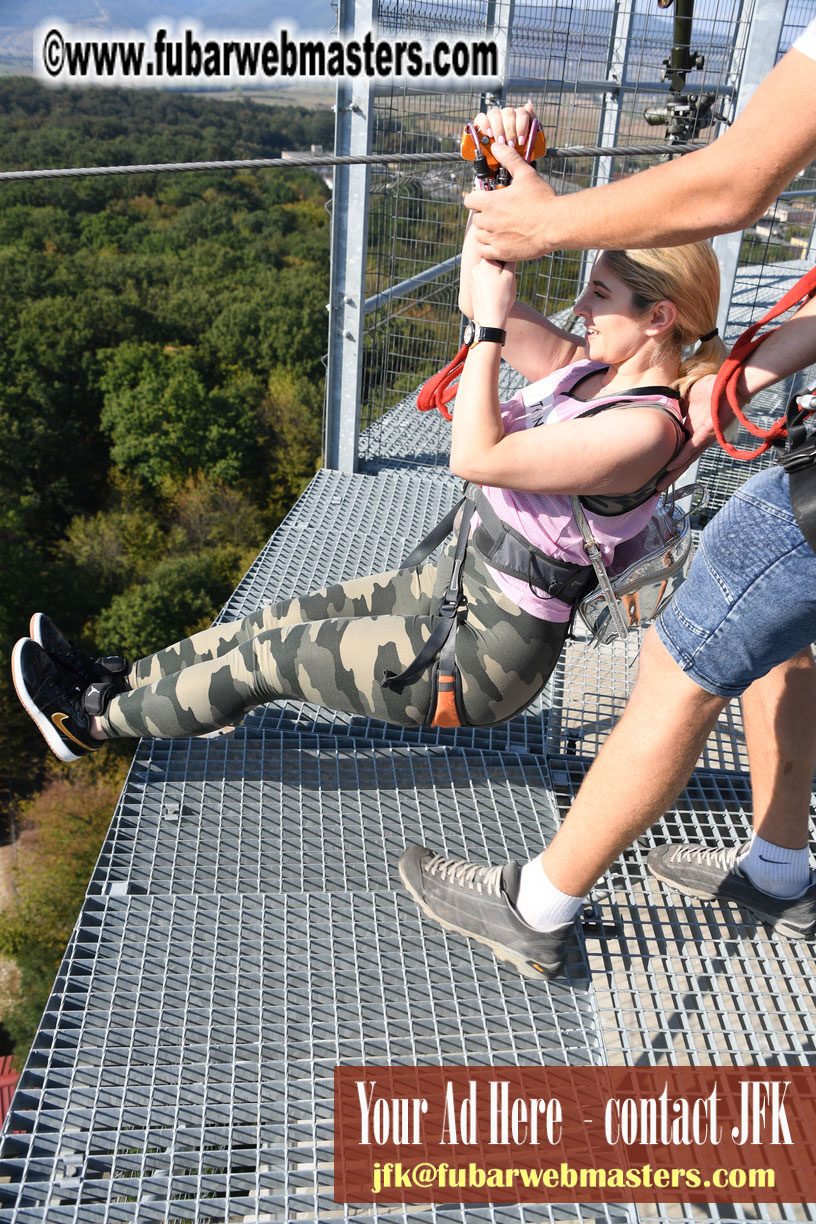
<point x="439" y="390"/>
<point x="725" y="387"/>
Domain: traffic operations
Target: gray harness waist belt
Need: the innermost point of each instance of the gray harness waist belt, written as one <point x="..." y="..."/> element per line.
<point x="508" y="551"/>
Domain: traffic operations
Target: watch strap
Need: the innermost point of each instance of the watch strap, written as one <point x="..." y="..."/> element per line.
<point x="479" y="334"/>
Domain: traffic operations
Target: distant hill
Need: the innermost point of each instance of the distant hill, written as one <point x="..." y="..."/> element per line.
<point x="18" y="21"/>
<point x="121" y="14"/>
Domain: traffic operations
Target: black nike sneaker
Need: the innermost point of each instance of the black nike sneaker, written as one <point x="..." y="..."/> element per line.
<point x="88" y="669"/>
<point x="53" y="698"/>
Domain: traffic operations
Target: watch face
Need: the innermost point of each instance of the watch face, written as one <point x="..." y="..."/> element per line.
<point x="470" y="334"/>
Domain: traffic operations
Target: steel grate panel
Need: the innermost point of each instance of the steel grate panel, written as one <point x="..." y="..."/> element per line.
<point x="591" y="686"/>
<point x="309" y="814"/>
<point x="187" y="1053"/>
<point x="373" y="522"/>
<point x="673" y="974"/>
<point x="526" y="733"/>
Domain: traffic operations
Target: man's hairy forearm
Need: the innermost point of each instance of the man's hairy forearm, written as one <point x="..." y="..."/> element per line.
<point x="723" y="187"/>
<point x="666" y="205"/>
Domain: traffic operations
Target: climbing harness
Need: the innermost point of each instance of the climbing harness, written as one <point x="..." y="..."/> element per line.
<point x="504" y="549"/>
<point x="654" y="557"/>
<point x="646" y="571"/>
<point x="439" y="651"/>
<point x="799" y="459"/>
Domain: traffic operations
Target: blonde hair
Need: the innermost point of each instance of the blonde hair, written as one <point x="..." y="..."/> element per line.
<point x="689" y="277"/>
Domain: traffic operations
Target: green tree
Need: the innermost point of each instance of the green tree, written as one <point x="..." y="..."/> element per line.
<point x="165" y="424"/>
<point x="64" y="827"/>
<point x="179" y="599"/>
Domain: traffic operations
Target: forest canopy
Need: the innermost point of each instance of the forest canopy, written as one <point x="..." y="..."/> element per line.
<point x="161" y="370"/>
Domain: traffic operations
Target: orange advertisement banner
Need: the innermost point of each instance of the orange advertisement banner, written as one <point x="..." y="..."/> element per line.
<point x="574" y="1134"/>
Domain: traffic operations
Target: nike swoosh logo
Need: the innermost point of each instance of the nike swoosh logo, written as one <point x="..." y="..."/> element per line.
<point x="59" y="721"/>
<point x="776" y="862"/>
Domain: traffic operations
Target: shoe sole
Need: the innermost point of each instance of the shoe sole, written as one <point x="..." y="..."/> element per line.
<point x="500" y="951"/>
<point x="34" y="629"/>
<point x="47" y="729"/>
<point x="779" y="925"/>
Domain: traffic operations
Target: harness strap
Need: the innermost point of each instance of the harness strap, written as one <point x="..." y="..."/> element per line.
<point x="594" y="553"/>
<point x="433" y="539"/>
<point x="800" y="463"/>
<point x="508" y="551"/>
<point x="621" y="503"/>
<point x="448" y="615"/>
<point x="725" y="386"/>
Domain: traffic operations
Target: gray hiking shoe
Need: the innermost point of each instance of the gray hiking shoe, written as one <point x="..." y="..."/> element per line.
<point x="479" y="902"/>
<point x="715" y="875"/>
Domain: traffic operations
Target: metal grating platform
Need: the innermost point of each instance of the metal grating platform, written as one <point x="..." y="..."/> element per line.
<point x="266" y="814"/>
<point x="242" y="935"/>
<point x="342" y="527"/>
<point x="679" y="981"/>
<point x="184" y="1070"/>
<point x="245" y="931"/>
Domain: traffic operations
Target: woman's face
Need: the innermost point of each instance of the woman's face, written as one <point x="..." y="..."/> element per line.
<point x="614" y="332"/>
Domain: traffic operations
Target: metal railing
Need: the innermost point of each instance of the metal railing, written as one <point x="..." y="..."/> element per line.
<point x="591" y="75"/>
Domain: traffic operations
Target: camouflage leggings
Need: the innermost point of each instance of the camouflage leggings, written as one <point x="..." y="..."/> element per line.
<point x="332" y="647"/>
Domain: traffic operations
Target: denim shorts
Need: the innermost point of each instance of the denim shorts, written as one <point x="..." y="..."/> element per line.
<point x="749" y="601"/>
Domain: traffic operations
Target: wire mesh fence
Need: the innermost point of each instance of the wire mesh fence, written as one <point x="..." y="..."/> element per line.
<point x="596" y="74"/>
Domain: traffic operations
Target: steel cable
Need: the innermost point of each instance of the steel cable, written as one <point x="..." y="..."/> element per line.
<point x="314" y="160"/>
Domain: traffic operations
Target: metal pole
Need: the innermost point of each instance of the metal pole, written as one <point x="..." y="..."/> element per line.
<point x="760" y="57"/>
<point x="353" y="125"/>
<point x="620" y="42"/>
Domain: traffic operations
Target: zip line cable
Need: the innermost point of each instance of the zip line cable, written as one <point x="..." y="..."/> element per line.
<point x="330" y="159"/>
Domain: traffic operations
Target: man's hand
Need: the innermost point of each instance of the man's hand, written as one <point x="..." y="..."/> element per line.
<point x="508" y="224"/>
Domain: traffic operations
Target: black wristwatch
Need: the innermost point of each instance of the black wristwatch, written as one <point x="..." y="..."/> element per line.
<point x="475" y="334"/>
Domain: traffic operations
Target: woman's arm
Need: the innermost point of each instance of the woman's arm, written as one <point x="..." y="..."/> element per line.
<point x="535" y="347"/>
<point x="615" y="452"/>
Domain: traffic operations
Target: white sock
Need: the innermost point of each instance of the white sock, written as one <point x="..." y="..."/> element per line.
<point x="780" y="872"/>
<point x="543" y="906"/>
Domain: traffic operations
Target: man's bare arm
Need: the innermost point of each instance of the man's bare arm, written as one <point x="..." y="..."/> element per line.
<point x="721" y="188"/>
<point x="790" y="348"/>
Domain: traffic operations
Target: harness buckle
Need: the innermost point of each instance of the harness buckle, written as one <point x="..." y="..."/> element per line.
<point x="450" y="608"/>
<point x="801" y="457"/>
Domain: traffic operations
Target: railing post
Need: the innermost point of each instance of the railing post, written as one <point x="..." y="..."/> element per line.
<point x="349" y="238"/>
<point x="609" y="123"/>
<point x="760" y="57"/>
